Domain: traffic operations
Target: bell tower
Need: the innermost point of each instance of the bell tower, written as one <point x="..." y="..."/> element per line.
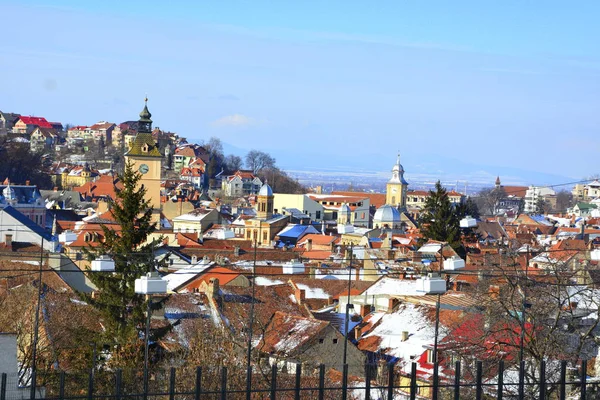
<point x="264" y="202"/>
<point x="397" y="187"/>
<point x="147" y="160"/>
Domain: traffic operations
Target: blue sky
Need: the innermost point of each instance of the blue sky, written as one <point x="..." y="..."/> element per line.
<point x="457" y="87"/>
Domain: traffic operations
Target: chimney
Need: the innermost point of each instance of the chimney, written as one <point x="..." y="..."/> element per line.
<point x="27" y="182"/>
<point x="55" y="189"/>
<point x="8" y="240"/>
<point x="236" y="251"/>
<point x="194" y="259"/>
<point x="309" y="245"/>
<point x="300" y="295"/>
<point x="365" y="310"/>
<point x="404" y="336"/>
<point x="213" y="288"/>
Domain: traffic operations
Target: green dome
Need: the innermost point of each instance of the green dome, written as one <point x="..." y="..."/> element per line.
<point x="145" y="114"/>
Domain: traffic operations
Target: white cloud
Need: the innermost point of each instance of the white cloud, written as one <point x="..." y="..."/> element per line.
<point x="237" y="120"/>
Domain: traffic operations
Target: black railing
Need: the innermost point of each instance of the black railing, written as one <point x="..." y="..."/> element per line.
<point x="379" y="382"/>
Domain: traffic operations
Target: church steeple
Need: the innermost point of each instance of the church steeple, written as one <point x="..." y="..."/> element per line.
<point x="145" y="123"/>
<point x="397" y="186"/>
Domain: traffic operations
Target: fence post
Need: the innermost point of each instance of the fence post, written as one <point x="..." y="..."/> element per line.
<point x="33" y="384"/>
<point x="172" y="384"/>
<point x="479" y="388"/>
<point x="457" y="380"/>
<point x="321" y="382"/>
<point x="61" y="386"/>
<point x="583" y="378"/>
<point x="198" y="386"/>
<point x="118" y="383"/>
<point x="563" y="379"/>
<point x="522" y="380"/>
<point x="224" y="383"/>
<point x="273" y="381"/>
<point x="367" y="381"/>
<point x="91" y="384"/>
<point x="500" y="392"/>
<point x="3" y="387"/>
<point x="543" y="380"/>
<point x="413" y="381"/>
<point x="298" y="381"/>
<point x="435" y="381"/>
<point x="249" y="383"/>
<point x="146" y="384"/>
<point x="390" y="395"/>
<point x="344" y="381"/>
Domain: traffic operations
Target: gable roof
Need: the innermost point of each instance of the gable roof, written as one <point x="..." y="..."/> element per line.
<point x="23" y="220"/>
<point x="287" y="334"/>
<point x="38" y="121"/>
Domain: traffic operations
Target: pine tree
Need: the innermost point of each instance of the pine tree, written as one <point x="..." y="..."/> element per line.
<point x="121" y="308"/>
<point x="438" y="219"/>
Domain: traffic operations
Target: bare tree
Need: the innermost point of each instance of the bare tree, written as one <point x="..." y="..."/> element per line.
<point x="257" y="160"/>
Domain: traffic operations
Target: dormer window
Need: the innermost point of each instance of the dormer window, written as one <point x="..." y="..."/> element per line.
<point x="145" y="148"/>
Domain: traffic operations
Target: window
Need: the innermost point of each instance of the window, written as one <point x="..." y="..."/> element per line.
<point x="430" y="356"/>
<point x="318" y="215"/>
<point x="335" y="341"/>
<point x="321" y="340"/>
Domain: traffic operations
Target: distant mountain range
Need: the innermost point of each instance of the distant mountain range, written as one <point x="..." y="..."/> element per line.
<point x="421" y="170"/>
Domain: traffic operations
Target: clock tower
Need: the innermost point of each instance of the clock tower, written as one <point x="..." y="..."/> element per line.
<point x="147" y="160"/>
<point x="397" y="187"/>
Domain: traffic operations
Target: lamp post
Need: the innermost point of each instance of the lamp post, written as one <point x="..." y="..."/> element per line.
<point x="148" y="285"/>
<point x="437" y="310"/>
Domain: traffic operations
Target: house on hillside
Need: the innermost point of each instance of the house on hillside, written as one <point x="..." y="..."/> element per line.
<point x="241" y="183"/>
<point x="25" y="125"/>
<point x="7" y="122"/>
<point x="43" y="139"/>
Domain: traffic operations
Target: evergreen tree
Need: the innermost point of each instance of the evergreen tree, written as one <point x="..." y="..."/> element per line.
<point x="439" y="220"/>
<point x="468" y="208"/>
<point x="121" y="308"/>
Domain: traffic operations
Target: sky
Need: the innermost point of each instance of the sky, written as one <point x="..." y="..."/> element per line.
<point x="458" y="88"/>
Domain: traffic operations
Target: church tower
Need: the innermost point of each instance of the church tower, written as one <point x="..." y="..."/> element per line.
<point x="397" y="187"/>
<point x="147" y="160"/>
<point x="264" y="202"/>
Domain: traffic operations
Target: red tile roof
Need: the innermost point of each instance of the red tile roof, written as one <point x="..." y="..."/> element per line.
<point x="375" y="199"/>
<point x="38" y="121"/>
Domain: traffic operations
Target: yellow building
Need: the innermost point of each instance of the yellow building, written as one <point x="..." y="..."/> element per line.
<point x="397" y="187"/>
<point x="146" y="158"/>
<point x="263" y="229"/>
<point x="77" y="176"/>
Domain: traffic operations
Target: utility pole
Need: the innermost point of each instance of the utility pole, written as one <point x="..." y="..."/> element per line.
<point x="347" y="318"/>
<point x="522" y="339"/>
<point x="36" y="328"/>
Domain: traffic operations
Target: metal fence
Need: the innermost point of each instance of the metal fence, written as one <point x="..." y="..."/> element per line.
<point x="561" y="381"/>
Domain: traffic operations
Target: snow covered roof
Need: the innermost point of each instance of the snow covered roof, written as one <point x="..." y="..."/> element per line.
<point x="179" y="277"/>
<point x="393" y="287"/>
<point x="387" y="332"/>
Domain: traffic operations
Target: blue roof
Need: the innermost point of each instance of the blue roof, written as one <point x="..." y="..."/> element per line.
<point x="297" y="231"/>
<point x="23" y="220"/>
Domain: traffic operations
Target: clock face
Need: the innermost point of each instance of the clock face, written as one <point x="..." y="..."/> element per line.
<point x="144" y="168"/>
